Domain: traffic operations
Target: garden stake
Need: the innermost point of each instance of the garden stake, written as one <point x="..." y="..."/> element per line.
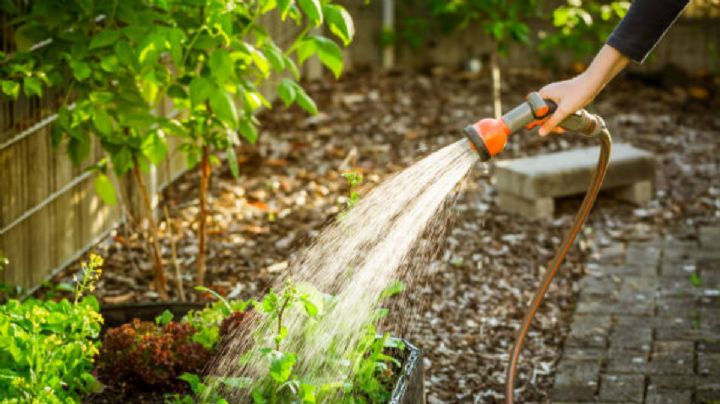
<point x="489" y="136"/>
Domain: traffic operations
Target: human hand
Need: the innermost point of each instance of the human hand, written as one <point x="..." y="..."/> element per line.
<point x="570" y="96"/>
<point x="574" y="94"/>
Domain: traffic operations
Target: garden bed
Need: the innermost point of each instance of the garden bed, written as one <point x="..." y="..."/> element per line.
<point x="468" y="308"/>
<point x="407" y="389"/>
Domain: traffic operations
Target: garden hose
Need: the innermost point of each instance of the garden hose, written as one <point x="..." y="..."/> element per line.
<point x="488" y="138"/>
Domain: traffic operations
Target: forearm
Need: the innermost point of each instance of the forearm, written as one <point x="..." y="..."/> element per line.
<point x="606" y="65"/>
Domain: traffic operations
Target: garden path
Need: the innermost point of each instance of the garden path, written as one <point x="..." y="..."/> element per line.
<point x="646" y="327"/>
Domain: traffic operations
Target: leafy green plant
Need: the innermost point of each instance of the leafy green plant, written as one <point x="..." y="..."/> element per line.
<point x="230" y="54"/>
<point x="47" y="347"/>
<point x="116" y="64"/>
<point x="354" y="180"/>
<point x="367" y="374"/>
<point x="216" y="320"/>
<point x="581" y="27"/>
<point x="696" y="280"/>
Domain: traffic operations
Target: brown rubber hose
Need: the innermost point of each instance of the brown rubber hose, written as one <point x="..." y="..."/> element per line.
<point x="587" y="204"/>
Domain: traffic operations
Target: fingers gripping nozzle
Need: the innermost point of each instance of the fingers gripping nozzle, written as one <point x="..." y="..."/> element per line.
<point x="489" y="136"/>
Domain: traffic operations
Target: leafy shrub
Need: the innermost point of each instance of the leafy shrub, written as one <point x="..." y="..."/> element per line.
<point x="581" y="27"/>
<point x="151" y="354"/>
<point x="114" y="64"/>
<point x="47" y="347"/>
<point x="216" y="320"/>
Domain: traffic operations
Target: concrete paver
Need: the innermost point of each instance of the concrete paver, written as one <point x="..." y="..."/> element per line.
<point x="647" y="327"/>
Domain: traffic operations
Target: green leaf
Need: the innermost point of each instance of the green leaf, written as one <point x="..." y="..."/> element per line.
<point x="32" y="86"/>
<point x="290" y="64"/>
<point x="105" y="189"/>
<point x="274" y="56"/>
<point x="164" y="318"/>
<point x="393" y="289"/>
<point x="125" y="54"/>
<point x="254" y="100"/>
<point x="192" y="379"/>
<point x="81" y="70"/>
<point x="222" y="66"/>
<point x="310" y="308"/>
<point x="304" y="100"/>
<point x="176" y="91"/>
<point x="154" y="148"/>
<point x="248" y="131"/>
<point x="281" y="366"/>
<point x="305" y="49"/>
<point x="270" y="302"/>
<point x="286" y="91"/>
<point x="307" y="393"/>
<point x="281" y="336"/>
<point x="104" y="38"/>
<point x="176" y="37"/>
<point x="340" y="22"/>
<point x="227" y="308"/>
<point x="78" y="147"/>
<point x="284" y="6"/>
<point x="10" y="88"/>
<point x="102" y="121"/>
<point x="313" y="9"/>
<point x="200" y="90"/>
<point x="695" y="280"/>
<point x="330" y="54"/>
<point x="109" y="63"/>
<point x="224" y="108"/>
<point x="232" y="161"/>
<point x="24" y="38"/>
<point x="122" y="161"/>
<point x="260" y="61"/>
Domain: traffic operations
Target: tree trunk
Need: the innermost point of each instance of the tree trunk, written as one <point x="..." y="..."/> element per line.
<point x="173" y="255"/>
<point x="496" y="83"/>
<point x="202" y="219"/>
<point x="160" y="281"/>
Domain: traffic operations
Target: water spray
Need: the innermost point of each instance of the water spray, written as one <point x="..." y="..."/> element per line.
<point x="489" y="136"/>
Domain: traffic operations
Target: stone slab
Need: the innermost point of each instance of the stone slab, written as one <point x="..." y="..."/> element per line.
<point x="576" y="381"/>
<point x="660" y="396"/>
<point x="629" y="388"/>
<point x="568" y="172"/>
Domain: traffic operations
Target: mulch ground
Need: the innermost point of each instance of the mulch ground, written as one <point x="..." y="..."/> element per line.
<point x="474" y="298"/>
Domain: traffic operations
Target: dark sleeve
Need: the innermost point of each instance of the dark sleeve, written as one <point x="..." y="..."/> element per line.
<point x="644" y="25"/>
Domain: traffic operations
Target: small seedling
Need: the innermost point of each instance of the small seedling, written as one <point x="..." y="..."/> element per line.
<point x="354" y="180"/>
<point x="695" y="280"/>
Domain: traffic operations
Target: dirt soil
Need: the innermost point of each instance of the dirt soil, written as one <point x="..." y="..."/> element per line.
<point x="472" y="302"/>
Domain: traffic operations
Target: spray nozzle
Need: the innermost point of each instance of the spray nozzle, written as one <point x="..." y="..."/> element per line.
<point x="489" y="136"/>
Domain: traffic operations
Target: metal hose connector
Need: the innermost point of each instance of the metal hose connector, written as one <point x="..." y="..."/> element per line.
<point x="582" y="214"/>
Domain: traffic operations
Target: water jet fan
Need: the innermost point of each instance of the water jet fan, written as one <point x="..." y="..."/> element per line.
<point x="488" y="137"/>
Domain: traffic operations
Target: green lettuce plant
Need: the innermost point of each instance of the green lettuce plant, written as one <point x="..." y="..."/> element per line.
<point x="47" y="347"/>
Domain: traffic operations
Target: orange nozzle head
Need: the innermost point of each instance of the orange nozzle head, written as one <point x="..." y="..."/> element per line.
<point x="488" y="136"/>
